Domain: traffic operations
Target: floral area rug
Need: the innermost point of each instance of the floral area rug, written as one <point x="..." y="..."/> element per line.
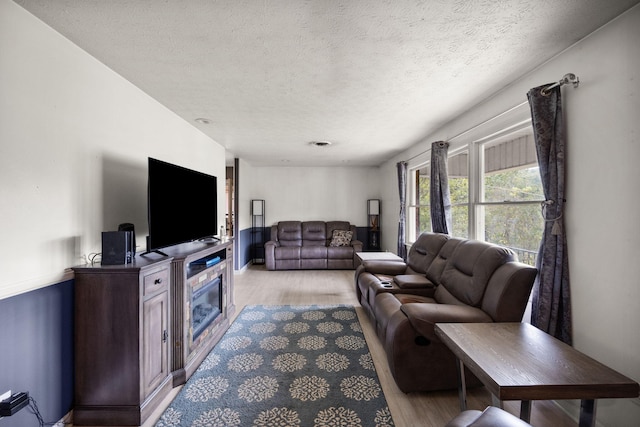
<point x="285" y="366"/>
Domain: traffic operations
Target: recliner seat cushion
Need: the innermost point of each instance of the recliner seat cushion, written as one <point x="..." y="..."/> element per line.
<point x="423" y="317"/>
<point x="310" y="252"/>
<point x="287" y="252"/>
<point x="340" y="252"/>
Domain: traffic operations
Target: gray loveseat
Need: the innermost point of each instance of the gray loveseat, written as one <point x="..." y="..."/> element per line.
<point x="312" y="245"/>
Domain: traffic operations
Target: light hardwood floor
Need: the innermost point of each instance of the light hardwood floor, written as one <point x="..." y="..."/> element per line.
<point x="258" y="286"/>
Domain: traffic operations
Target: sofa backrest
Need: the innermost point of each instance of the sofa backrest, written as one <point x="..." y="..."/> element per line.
<point x="308" y="233"/>
<point x="468" y="271"/>
<point x="507" y="294"/>
<point x="439" y="262"/>
<point x="314" y="233"/>
<point x="289" y="233"/>
<point x="424" y="250"/>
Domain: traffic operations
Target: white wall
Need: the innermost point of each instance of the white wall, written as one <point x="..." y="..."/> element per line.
<point x="74" y="138"/>
<point x="315" y="193"/>
<point x="603" y="159"/>
<point x="74" y="142"/>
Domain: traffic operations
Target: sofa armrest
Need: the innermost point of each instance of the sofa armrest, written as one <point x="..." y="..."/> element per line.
<point x="357" y="246"/>
<point x="413" y="281"/>
<point x="508" y="291"/>
<point x="424" y="316"/>
<point x="270" y="254"/>
<point x="391" y="268"/>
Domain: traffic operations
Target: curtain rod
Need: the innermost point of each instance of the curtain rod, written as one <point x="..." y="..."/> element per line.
<point x="566" y="79"/>
<point x="473" y="128"/>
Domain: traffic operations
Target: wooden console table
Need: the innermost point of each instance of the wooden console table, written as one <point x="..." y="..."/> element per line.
<point x="517" y="361"/>
<point x="122" y="335"/>
<point x="187" y="274"/>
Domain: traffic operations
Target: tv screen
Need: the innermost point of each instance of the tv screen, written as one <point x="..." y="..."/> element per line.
<point x="182" y="205"/>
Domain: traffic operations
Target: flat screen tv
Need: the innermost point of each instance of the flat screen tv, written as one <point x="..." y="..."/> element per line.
<point x="182" y="205"/>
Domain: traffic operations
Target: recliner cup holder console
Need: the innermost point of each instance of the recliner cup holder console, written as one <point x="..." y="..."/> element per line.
<point x="386" y="284"/>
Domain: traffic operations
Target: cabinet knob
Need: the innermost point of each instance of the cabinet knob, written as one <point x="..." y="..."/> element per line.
<point x="158" y="281"/>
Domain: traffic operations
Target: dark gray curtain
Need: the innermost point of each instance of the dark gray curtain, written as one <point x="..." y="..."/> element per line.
<point x="402" y="191"/>
<point x="439" y="190"/>
<point x="551" y="311"/>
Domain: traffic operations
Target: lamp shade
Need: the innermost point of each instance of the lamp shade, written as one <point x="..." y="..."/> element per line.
<point x="374" y="206"/>
<point x="257" y="206"/>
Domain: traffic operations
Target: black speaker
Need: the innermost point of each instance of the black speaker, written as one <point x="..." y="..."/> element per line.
<point x="127" y="226"/>
<point x="116" y="247"/>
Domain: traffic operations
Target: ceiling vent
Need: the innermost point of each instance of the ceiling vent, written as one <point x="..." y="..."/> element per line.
<point x="321" y="143"/>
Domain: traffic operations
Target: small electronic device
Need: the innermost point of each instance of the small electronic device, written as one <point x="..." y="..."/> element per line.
<point x="116" y="247"/>
<point x="13" y="404"/>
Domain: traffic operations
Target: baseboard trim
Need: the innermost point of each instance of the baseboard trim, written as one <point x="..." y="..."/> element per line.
<point x="65" y="420"/>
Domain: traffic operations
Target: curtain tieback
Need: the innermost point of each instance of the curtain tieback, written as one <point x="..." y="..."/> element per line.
<point x="556" y="229"/>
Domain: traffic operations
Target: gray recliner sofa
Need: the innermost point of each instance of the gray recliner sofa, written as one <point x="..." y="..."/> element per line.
<point x="445" y="279"/>
<point x="312" y="245"/>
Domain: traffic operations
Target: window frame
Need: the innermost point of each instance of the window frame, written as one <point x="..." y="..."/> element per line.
<point x="514" y="121"/>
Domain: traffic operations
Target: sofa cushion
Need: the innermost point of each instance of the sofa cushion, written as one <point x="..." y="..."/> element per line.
<point x="287" y="252"/>
<point x="469" y="269"/>
<point x="423" y="317"/>
<point x="314" y="233"/>
<point x="341" y="238"/>
<point x="424" y="250"/>
<point x="435" y="269"/>
<point x="311" y="252"/>
<point x="290" y="233"/>
<point x="340" y="252"/>
<point x="411" y="299"/>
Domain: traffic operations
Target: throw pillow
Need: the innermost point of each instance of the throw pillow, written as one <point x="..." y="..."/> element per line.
<point x="341" y="238"/>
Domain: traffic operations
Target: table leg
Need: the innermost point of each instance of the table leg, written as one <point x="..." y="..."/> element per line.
<point x="587" y="413"/>
<point x="496" y="402"/>
<point x="462" y="386"/>
<point x="525" y="410"/>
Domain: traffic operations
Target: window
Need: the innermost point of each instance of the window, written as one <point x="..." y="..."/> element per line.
<point x="419" y="212"/>
<point x="458" y="171"/>
<point x="495" y="191"/>
<point x="510" y="192"/>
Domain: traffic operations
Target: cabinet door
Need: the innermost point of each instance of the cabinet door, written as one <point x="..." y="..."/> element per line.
<point x="155" y="343"/>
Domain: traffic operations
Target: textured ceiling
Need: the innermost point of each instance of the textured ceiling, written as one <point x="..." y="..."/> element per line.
<point x="373" y="77"/>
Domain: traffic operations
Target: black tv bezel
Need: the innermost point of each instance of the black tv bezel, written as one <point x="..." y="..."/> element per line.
<point x="179" y="201"/>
